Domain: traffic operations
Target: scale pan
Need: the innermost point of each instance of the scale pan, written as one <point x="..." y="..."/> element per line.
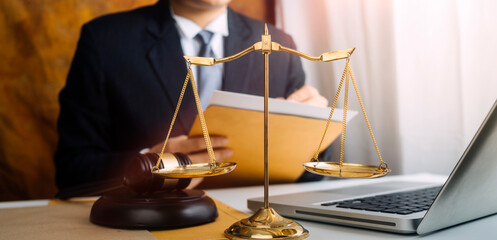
<point x="346" y="170"/>
<point x="196" y="170"/>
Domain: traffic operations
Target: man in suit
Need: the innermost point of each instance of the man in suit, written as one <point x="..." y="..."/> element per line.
<point x="127" y="74"/>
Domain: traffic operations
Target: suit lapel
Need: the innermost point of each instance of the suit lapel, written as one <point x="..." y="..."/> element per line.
<point x="236" y="73"/>
<point x="166" y="58"/>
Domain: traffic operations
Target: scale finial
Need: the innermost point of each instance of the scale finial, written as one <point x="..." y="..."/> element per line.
<point x="266" y="32"/>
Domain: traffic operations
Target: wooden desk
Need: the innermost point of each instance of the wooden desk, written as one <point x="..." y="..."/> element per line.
<point x="485" y="228"/>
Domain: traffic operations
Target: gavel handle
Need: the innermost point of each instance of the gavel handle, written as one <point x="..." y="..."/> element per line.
<point x="90" y="189"/>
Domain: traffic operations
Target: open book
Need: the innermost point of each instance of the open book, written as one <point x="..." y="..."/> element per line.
<point x="295" y="130"/>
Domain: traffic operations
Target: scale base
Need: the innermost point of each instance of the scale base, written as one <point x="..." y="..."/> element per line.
<point x="266" y="224"/>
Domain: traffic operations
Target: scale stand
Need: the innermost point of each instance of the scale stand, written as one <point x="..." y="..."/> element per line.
<point x="266" y="223"/>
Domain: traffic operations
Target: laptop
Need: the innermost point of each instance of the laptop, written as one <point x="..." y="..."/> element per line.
<point x="408" y="207"/>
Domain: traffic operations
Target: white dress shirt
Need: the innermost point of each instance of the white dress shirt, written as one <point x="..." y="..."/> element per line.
<point x="187" y="30"/>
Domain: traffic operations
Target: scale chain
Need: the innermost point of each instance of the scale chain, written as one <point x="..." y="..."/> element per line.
<point x="188" y="75"/>
<point x="347" y="72"/>
<point x="333" y="106"/>
<point x="205" y="133"/>
<point x="365" y="116"/>
<point x="344" y="115"/>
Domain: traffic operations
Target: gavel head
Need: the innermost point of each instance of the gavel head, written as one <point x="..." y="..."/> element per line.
<point x="138" y="175"/>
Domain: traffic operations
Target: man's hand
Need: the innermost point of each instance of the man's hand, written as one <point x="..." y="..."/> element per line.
<point x="195" y="147"/>
<point x="196" y="150"/>
<point x="308" y="95"/>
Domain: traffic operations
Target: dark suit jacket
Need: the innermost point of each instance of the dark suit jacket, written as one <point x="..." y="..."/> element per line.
<point x="125" y="80"/>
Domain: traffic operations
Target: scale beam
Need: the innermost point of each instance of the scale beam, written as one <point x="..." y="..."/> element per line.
<point x="325" y="57"/>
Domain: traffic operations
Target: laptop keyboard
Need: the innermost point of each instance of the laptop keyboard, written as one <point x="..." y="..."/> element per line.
<point x="399" y="203"/>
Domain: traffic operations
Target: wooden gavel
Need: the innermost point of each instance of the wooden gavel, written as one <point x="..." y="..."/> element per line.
<point x="137" y="176"/>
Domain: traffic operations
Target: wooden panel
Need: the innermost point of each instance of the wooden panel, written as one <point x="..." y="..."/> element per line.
<point x="259" y="9"/>
<point x="38" y="40"/>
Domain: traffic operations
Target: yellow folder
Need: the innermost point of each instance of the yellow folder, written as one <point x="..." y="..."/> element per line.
<point x="295" y="131"/>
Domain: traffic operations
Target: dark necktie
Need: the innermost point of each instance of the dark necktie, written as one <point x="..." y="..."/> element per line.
<point x="209" y="77"/>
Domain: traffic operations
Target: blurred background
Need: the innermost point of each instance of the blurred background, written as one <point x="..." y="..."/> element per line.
<point x="426" y="71"/>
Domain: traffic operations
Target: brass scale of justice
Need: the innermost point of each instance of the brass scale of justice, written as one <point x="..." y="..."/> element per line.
<point x="266" y="223"/>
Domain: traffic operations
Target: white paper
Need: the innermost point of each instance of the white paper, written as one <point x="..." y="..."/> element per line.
<point x="256" y="103"/>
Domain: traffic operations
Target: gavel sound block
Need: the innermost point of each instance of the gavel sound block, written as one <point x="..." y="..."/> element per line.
<point x="149" y="201"/>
